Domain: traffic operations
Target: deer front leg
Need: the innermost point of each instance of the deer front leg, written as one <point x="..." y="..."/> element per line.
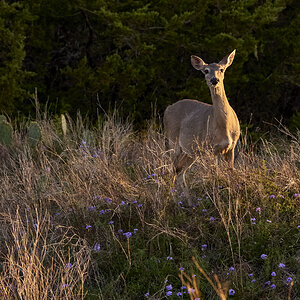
<point x="221" y="148"/>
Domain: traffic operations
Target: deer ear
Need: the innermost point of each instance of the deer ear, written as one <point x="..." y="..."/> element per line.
<point x="228" y="59"/>
<point x="197" y="62"/>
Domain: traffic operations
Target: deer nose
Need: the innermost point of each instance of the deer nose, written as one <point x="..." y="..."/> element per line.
<point x="214" y="81"/>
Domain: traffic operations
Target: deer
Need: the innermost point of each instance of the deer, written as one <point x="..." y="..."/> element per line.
<point x="189" y="123"/>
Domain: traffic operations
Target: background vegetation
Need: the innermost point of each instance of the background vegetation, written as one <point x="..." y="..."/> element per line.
<point x="135" y="55"/>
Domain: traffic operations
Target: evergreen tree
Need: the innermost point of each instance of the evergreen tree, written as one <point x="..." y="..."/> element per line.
<point x="135" y="55"/>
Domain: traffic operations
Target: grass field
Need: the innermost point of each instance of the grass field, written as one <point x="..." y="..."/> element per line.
<point x="94" y="214"/>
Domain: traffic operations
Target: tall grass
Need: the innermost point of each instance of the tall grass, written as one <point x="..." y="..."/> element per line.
<point x="94" y="213"/>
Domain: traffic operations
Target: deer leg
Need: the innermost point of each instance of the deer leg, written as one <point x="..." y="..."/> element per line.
<point x="221" y="148"/>
<point x="181" y="162"/>
<point x="181" y="166"/>
<point x="229" y="157"/>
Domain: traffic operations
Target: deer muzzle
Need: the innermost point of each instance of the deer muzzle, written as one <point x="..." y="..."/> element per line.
<point x="214" y="81"/>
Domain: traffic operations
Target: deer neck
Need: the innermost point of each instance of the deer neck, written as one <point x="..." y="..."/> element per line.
<point x="221" y="107"/>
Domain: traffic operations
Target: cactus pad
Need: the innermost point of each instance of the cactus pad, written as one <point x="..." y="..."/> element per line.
<point x="34" y="134"/>
<point x="5" y="133"/>
<point x="2" y="118"/>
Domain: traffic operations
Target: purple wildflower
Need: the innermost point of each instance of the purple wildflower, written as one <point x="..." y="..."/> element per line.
<point x="108" y="200"/>
<point x="191" y="290"/>
<point x="169" y="293"/>
<point x="273" y="286"/>
<point x="269" y="221"/>
<point x="102" y="212"/>
<point x="273" y="274"/>
<point x="183" y="287"/>
<point x="203" y="247"/>
<point x="111" y="222"/>
<point x="250" y="275"/>
<point x="258" y="209"/>
<point x="147" y="295"/>
<point x="264" y="256"/>
<point x="253" y="220"/>
<point x="272" y="196"/>
<point x="88" y="227"/>
<point x="64" y="286"/>
<point x="68" y="265"/>
<point x="169" y="258"/>
<point x="253" y="280"/>
<point x="268" y="282"/>
<point x="128" y="234"/>
<point x="179" y="294"/>
<point x="181" y="269"/>
<point x="169" y="287"/>
<point x="91" y="208"/>
<point x="35" y="226"/>
<point x="231" y="269"/>
<point x="97" y="247"/>
<point x="212" y="219"/>
<point x="281" y="265"/>
<point x="289" y="279"/>
<point x="231" y="292"/>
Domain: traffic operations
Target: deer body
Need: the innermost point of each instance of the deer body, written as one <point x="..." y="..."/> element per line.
<point x="189" y="123"/>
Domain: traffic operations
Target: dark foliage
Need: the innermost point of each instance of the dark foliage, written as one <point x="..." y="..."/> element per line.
<point x="135" y="55"/>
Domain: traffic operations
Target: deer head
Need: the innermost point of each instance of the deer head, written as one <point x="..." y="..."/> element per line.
<point x="214" y="73"/>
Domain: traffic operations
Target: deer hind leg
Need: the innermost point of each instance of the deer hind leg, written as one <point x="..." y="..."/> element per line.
<point x="229" y="157"/>
<point x="181" y="161"/>
<point x="182" y="164"/>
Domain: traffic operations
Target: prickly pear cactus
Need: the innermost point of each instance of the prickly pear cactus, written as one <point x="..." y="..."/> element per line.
<point x="6" y="132"/>
<point x="2" y="118"/>
<point x="34" y="134"/>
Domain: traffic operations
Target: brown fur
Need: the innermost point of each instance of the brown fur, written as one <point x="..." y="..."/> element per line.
<point x="190" y="122"/>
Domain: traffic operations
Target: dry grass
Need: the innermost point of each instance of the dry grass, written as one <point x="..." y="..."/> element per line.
<point x="50" y="194"/>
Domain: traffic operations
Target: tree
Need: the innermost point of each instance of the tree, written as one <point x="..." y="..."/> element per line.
<point x="135" y="56"/>
<point x="14" y="19"/>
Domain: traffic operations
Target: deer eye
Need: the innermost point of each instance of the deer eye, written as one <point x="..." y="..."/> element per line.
<point x="222" y="70"/>
<point x="206" y="71"/>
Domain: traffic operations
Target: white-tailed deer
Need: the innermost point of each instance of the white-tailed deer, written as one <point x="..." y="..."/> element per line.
<point x="189" y="123"/>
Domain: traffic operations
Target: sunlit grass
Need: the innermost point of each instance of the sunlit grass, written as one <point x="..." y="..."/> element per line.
<point x="95" y="213"/>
